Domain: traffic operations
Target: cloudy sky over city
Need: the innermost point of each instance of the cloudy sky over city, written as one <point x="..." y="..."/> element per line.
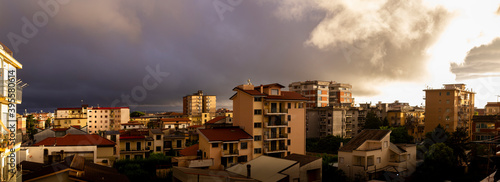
<point x="149" y="54"/>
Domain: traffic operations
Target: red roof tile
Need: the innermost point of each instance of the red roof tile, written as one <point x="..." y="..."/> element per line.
<point x="493" y="104"/>
<point x="176" y="119"/>
<point x="195" y="126"/>
<point x="108" y="108"/>
<point x="69" y="108"/>
<point x="131" y="137"/>
<point x="76" y="140"/>
<point x="190" y="151"/>
<point x="59" y="129"/>
<point x="286" y="95"/>
<point x="212" y="121"/>
<point x="225" y="134"/>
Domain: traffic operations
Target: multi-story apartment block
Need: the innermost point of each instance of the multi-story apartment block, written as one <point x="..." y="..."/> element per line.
<point x="492" y="108"/>
<point x="98" y="119"/>
<point x="371" y="155"/>
<point x="198" y="104"/>
<point x="341" y="94"/>
<point x="451" y="106"/>
<point x="316" y="92"/>
<point x="274" y="118"/>
<point x="485" y="127"/>
<point x="11" y="93"/>
<point x="324" y="121"/>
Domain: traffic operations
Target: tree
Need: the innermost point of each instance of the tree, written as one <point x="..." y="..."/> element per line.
<point x="48" y="123"/>
<point x="458" y="142"/>
<point x="331" y="173"/>
<point x="385" y="122"/>
<point x="399" y="134"/>
<point x="438" y="162"/>
<point x="372" y="121"/>
<point x="30" y="126"/>
<point x="329" y="144"/>
<point x="137" y="114"/>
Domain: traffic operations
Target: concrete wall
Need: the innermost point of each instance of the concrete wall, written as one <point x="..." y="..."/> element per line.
<point x="297" y="126"/>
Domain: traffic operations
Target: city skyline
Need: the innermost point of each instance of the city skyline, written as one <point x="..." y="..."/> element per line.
<point x="104" y="52"/>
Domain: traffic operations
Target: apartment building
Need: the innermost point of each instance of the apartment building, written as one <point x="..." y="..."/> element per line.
<point x="273" y="117"/>
<point x="133" y="144"/>
<point x="225" y="146"/>
<point x="98" y="119"/>
<point x="451" y="106"/>
<point x="324" y="121"/>
<point x="371" y="155"/>
<point x="485" y="127"/>
<point x="341" y="94"/>
<point x="316" y="92"/>
<point x="9" y="65"/>
<point x="199" y="107"/>
<point x="492" y="108"/>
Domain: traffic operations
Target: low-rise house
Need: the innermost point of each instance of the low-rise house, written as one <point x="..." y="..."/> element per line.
<point x="192" y="157"/>
<point x="158" y="140"/>
<point x="58" y="132"/>
<point x="269" y="169"/>
<point x="174" y="142"/>
<point x="371" y="154"/>
<point x="220" y="121"/>
<point x="72" y="168"/>
<point x="226" y="146"/>
<point x="175" y="123"/>
<point x="132" y="125"/>
<point x="310" y="167"/>
<point x="192" y="132"/>
<point x="90" y="146"/>
<point x="133" y="144"/>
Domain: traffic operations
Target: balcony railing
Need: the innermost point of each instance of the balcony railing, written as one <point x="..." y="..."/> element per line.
<point x="4" y="91"/>
<point x="228" y="153"/>
<point x="275" y="136"/>
<point x="271" y="111"/>
<point x="275" y="149"/>
<point x="276" y="124"/>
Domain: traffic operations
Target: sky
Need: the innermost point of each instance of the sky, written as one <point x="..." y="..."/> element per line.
<point x="148" y="54"/>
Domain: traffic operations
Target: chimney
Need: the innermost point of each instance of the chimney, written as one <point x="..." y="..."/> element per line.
<point x="341" y="144"/>
<point x="249" y="170"/>
<point x="261" y="89"/>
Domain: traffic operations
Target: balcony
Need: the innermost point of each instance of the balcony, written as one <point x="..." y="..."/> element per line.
<point x="275" y="149"/>
<point x="275" y="122"/>
<point x="229" y="153"/>
<point x="274" y="111"/>
<point x="275" y="136"/>
<point x="200" y="163"/>
<point x="4" y="92"/>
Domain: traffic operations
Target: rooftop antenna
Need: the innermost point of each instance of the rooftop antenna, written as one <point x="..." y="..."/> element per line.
<point x="249" y="83"/>
<point x="497" y="97"/>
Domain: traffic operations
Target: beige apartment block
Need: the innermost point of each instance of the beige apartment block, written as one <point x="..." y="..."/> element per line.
<point x="98" y="119"/>
<point x="275" y="118"/>
<point x="199" y="107"/>
<point x="492" y="108"/>
<point x="451" y="106"/>
<point x="371" y="154"/>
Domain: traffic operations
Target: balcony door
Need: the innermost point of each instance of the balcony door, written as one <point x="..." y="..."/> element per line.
<point x="273" y="145"/>
<point x="127" y="146"/>
<point x="274" y="107"/>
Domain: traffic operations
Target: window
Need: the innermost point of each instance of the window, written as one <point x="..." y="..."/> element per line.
<point x="289" y="130"/>
<point x="448" y="110"/>
<point x="289" y="105"/>
<point x="257" y="138"/>
<point x="244" y="145"/>
<point x="257" y="150"/>
<point x="139" y="146"/>
<point x="289" y="142"/>
<point x="274" y="92"/>
<point x="289" y="117"/>
<point x="257" y="99"/>
<point x="447" y="101"/>
<point x="257" y="112"/>
<point x="439" y="93"/>
<point x="386" y="144"/>
<point x="215" y="145"/>
<point x="341" y="160"/>
<point x="230" y="160"/>
<point x="149" y="143"/>
<point x="379" y="160"/>
<point x="127" y="156"/>
<point x="447" y="93"/>
<point x="257" y="125"/>
<point x="179" y="143"/>
<point x="158" y="149"/>
<point x="158" y="137"/>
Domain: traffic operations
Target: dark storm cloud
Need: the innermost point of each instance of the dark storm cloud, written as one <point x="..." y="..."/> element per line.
<point x="98" y="51"/>
<point x="482" y="61"/>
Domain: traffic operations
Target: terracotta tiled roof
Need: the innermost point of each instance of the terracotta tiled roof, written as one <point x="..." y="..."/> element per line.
<point x="195" y="126"/>
<point x="176" y="119"/>
<point x="272" y="84"/>
<point x="212" y="121"/>
<point x="493" y="104"/>
<point x="368" y="134"/>
<point x="251" y="92"/>
<point x="76" y="126"/>
<point x="225" y="134"/>
<point x="108" y="108"/>
<point x="286" y="95"/>
<point x="69" y="108"/>
<point x="76" y="140"/>
<point x="132" y="137"/>
<point x="190" y="151"/>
